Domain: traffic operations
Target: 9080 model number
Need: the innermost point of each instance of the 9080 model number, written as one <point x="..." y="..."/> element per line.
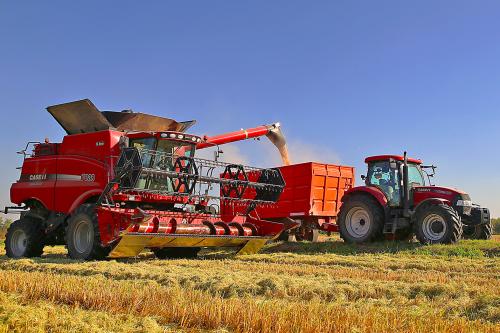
<point x="88" y="177"/>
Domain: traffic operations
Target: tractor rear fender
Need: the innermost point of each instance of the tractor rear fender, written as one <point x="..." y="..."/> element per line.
<point x="376" y="193"/>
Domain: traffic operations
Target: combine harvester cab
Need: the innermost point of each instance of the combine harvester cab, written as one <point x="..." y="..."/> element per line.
<point x="122" y="182"/>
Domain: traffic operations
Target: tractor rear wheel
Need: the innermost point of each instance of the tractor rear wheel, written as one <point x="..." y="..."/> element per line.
<point x="438" y="224"/>
<point x="176" y="252"/>
<point x="482" y="231"/>
<point x="82" y="236"/>
<point x="360" y="219"/>
<point x="24" y="238"/>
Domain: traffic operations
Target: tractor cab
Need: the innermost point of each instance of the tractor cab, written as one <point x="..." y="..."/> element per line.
<point x="397" y="203"/>
<point x="385" y="172"/>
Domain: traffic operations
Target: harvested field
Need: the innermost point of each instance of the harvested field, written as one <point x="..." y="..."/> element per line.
<point x="289" y="287"/>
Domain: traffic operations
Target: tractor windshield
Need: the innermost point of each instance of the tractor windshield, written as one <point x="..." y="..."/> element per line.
<point x="415" y="175"/>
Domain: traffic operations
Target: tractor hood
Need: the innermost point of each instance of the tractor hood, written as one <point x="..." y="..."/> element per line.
<point x="438" y="190"/>
<point x="84" y="117"/>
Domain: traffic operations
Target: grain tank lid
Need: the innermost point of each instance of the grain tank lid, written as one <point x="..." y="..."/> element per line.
<point x="136" y="121"/>
<point x="84" y="117"/>
<point x="79" y="117"/>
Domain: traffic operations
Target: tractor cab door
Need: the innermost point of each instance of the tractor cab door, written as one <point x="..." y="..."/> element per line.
<point x="387" y="179"/>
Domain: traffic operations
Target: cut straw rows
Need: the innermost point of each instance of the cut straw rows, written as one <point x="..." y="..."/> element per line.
<point x="196" y="309"/>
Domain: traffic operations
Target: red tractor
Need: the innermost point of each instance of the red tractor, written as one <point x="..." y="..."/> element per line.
<point x="396" y="202"/>
<point x="120" y="182"/>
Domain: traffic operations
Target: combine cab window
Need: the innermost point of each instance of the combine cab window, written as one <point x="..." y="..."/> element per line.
<point x="161" y="154"/>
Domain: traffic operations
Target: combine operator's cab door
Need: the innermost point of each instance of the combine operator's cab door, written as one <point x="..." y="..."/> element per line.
<point x="386" y="176"/>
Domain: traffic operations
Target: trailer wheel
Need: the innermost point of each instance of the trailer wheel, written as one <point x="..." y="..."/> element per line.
<point x="306" y="234"/>
<point x="438" y="224"/>
<point x="176" y="252"/>
<point x="82" y="236"/>
<point x="360" y="219"/>
<point x="24" y="238"/>
<point x="482" y="231"/>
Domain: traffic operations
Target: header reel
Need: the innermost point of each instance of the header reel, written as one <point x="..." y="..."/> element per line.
<point x="147" y="171"/>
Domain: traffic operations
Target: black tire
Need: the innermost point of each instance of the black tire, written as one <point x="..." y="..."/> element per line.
<point x="24" y="238"/>
<point x="438" y="224"/>
<point x="284" y="236"/>
<point x="176" y="252"/>
<point x="371" y="214"/>
<point x="306" y="234"/>
<point x="82" y="236"/>
<point x="482" y="231"/>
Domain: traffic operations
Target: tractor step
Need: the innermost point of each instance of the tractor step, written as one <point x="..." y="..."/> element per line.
<point x="133" y="243"/>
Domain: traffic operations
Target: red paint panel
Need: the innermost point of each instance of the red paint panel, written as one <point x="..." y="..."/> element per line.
<point x="78" y="178"/>
<point x="37" y="181"/>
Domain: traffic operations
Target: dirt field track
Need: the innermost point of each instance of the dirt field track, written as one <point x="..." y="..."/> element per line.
<point x="294" y="287"/>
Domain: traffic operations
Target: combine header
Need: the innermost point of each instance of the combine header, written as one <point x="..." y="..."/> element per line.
<point x="121" y="182"/>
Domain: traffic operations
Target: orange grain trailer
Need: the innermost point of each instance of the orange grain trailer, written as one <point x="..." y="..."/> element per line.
<point x="312" y="196"/>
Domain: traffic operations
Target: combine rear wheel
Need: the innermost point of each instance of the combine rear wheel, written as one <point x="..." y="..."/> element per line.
<point x="438" y="224"/>
<point x="360" y="219"/>
<point x="82" y="235"/>
<point x="176" y="252"/>
<point x="482" y="231"/>
<point x="24" y="238"/>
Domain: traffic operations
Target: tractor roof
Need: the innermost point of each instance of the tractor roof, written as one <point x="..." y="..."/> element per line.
<point x="387" y="157"/>
<point x="84" y="117"/>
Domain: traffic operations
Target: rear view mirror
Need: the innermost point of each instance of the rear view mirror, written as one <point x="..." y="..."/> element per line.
<point x="393" y="165"/>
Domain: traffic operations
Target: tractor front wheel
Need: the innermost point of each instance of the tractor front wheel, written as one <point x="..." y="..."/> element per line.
<point x="82" y="235"/>
<point x="438" y="224"/>
<point x="360" y="219"/>
<point x="24" y="238"/>
<point x="176" y="252"/>
<point x="482" y="231"/>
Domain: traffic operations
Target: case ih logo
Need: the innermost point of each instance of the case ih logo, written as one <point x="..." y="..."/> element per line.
<point x="38" y="177"/>
<point x="433" y="190"/>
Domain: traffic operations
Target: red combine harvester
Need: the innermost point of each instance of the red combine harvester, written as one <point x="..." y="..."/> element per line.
<point x="121" y="182"/>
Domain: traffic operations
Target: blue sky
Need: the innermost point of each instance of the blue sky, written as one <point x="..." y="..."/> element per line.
<point x="346" y="79"/>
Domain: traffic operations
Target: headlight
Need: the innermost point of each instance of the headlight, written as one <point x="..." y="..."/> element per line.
<point x="464" y="203"/>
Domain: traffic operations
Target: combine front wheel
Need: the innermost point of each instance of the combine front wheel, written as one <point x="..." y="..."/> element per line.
<point x="82" y="235"/>
<point x="438" y="224"/>
<point x="360" y="219"/>
<point x="24" y="238"/>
